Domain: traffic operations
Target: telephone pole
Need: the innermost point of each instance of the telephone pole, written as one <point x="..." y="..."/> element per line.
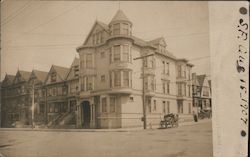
<point x="143" y="89"/>
<point x="33" y="105"/>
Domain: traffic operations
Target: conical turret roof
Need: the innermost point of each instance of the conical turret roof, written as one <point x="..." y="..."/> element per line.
<point x="120" y="16"/>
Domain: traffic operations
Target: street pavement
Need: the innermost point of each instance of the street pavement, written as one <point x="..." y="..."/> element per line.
<point x="194" y="140"/>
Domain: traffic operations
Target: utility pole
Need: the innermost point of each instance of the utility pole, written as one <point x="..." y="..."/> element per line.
<point x="143" y="89"/>
<point x="33" y="104"/>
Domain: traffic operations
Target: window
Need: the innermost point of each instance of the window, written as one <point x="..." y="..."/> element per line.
<point x="82" y="64"/>
<point x="119" y="81"/>
<point x="93" y="39"/>
<point x="103" y="78"/>
<point x="102" y="54"/>
<point x="51" y="108"/>
<point x="154" y="105"/>
<point x="184" y="72"/>
<point x="131" y="99"/>
<point x="185" y="91"/>
<point x="110" y="55"/>
<point x="149" y="105"/>
<point x="53" y="77"/>
<point x="42" y="108"/>
<point x="117" y="78"/>
<point x="104" y="104"/>
<point x="76" y="71"/>
<point x="54" y="92"/>
<point x="59" y="90"/>
<point x="125" y="29"/>
<point x="168" y="107"/>
<point x="57" y="106"/>
<point x="164" y="87"/>
<point x="164" y="67"/>
<point x="126" y="78"/>
<point x="180" y="106"/>
<point x="164" y="106"/>
<point x="189" y="90"/>
<point x="125" y="53"/>
<point x="189" y="107"/>
<point x="112" y="104"/>
<point x="89" y="83"/>
<point x="110" y="79"/>
<point x="152" y="83"/>
<point x="89" y="61"/>
<point x="149" y="62"/>
<point x="206" y="91"/>
<point x="168" y="87"/>
<point x="116" y="29"/>
<point x="179" y="70"/>
<point x="82" y="83"/>
<point x="117" y="54"/>
<point x="179" y="89"/>
<point x="168" y="68"/>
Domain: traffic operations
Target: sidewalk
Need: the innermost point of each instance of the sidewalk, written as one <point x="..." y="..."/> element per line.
<point x="100" y="130"/>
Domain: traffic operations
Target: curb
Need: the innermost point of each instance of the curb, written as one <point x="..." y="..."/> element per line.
<point x="99" y="130"/>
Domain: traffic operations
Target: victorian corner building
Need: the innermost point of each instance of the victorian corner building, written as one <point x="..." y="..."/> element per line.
<point x="103" y="88"/>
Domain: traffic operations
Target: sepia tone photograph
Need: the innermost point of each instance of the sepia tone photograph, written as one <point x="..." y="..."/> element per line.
<point x="105" y="79"/>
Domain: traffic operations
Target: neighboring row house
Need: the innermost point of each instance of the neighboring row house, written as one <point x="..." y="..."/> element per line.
<point x="201" y="92"/>
<point x="103" y="88"/>
<point x="48" y="91"/>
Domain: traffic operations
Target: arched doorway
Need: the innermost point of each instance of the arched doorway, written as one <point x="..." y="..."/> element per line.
<point x="85" y="114"/>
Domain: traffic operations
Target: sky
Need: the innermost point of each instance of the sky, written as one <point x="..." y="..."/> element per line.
<point x="37" y="34"/>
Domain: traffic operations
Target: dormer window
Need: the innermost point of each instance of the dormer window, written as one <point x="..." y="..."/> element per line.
<point x="53" y="77"/>
<point x="97" y="37"/>
<point x="76" y="71"/>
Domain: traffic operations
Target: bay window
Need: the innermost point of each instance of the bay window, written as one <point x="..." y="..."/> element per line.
<point x="89" y="61"/>
<point x="120" y="78"/>
<point x="126" y="78"/>
<point x="150" y="83"/>
<point x="125" y="53"/>
<point x="120" y="53"/>
<point x="117" y="78"/>
<point x="117" y="53"/>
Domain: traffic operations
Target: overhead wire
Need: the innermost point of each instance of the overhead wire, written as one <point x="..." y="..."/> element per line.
<point x="16" y="13"/>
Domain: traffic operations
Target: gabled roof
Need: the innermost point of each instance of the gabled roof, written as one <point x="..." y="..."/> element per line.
<point x="157" y="41"/>
<point x="75" y="62"/>
<point x="9" y="78"/>
<point x="201" y="79"/>
<point x="24" y="74"/>
<point x="41" y="75"/>
<point x="103" y="25"/>
<point x="62" y="71"/>
<point x="120" y="16"/>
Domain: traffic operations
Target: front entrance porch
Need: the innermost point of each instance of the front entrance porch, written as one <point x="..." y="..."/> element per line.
<point x="85" y="114"/>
